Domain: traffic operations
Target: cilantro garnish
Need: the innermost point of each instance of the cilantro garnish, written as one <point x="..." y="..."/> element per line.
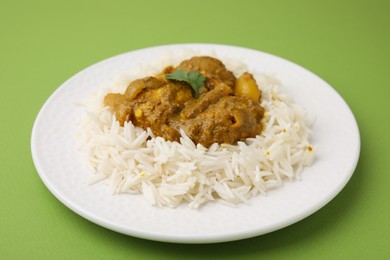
<point x="193" y="78"/>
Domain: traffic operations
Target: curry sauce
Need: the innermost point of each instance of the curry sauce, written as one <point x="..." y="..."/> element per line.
<point x="226" y="110"/>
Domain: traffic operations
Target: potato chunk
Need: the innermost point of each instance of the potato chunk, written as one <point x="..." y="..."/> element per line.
<point x="246" y="86"/>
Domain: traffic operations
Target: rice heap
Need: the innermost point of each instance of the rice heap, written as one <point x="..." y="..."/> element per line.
<point x="131" y="160"/>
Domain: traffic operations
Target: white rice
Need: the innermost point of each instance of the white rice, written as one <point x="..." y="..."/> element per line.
<point x="131" y="160"/>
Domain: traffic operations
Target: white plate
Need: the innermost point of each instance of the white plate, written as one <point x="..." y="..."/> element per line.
<point x="60" y="166"/>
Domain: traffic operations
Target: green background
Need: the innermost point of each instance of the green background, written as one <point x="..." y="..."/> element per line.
<point x="43" y="43"/>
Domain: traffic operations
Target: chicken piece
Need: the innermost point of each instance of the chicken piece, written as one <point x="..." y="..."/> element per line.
<point x="138" y="85"/>
<point x="196" y="106"/>
<point x="155" y="108"/>
<point x="209" y="67"/>
<point x="123" y="105"/>
<point x="229" y="120"/>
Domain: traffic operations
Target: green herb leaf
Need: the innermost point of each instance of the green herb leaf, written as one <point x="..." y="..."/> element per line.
<point x="193" y="78"/>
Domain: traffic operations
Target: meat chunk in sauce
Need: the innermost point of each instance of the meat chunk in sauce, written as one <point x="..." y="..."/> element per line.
<point x="221" y="113"/>
<point x="213" y="69"/>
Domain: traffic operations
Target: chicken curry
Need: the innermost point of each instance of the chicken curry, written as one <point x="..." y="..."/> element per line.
<point x="224" y="109"/>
